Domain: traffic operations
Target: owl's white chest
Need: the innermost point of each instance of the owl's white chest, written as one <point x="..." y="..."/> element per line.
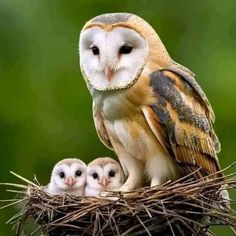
<point x="126" y="124"/>
<point x="113" y="105"/>
<point x="92" y="192"/>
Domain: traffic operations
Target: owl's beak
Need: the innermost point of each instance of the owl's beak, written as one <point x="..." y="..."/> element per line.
<point x="104" y="182"/>
<point x="109" y="73"/>
<point x="70" y="181"/>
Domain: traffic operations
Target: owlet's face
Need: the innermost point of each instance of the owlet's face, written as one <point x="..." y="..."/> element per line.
<point x="108" y="176"/>
<point x="111" y="59"/>
<point x="69" y="177"/>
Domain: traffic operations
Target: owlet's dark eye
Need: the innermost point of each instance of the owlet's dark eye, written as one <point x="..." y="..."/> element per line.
<point x="95" y="50"/>
<point x="95" y="175"/>
<point x="62" y="175"/>
<point x="112" y="173"/>
<point x="78" y="173"/>
<point x="125" y="49"/>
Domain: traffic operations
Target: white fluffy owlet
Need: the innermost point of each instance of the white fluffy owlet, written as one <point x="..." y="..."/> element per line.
<point x="103" y="174"/>
<point x="68" y="176"/>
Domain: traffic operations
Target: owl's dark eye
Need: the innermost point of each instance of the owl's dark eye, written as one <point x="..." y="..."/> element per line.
<point x="95" y="50"/>
<point x="62" y="174"/>
<point x="95" y="175"/>
<point x="125" y="49"/>
<point x="78" y="173"/>
<point x="112" y="173"/>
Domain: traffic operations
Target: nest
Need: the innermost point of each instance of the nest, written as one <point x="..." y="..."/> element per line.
<point x="183" y="207"/>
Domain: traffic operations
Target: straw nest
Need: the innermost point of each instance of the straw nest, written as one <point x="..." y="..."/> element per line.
<point x="184" y="207"/>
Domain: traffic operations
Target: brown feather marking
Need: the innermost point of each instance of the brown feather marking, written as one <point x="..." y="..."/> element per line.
<point x="189" y="78"/>
<point x="156" y="127"/>
<point x="200" y="159"/>
<point x="100" y="127"/>
<point x="193" y="137"/>
<point x="185" y="122"/>
<point x="163" y="86"/>
<point x="188" y="94"/>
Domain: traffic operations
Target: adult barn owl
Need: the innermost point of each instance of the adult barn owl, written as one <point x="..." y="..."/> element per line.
<point x="147" y="108"/>
<point x="103" y="174"/>
<point x="68" y="176"/>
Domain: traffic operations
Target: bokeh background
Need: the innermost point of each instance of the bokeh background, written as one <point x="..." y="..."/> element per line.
<point x="45" y="108"/>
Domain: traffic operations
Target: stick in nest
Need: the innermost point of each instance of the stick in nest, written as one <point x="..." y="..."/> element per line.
<point x="183" y="207"/>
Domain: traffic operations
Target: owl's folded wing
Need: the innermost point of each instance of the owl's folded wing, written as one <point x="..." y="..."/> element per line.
<point x="181" y="118"/>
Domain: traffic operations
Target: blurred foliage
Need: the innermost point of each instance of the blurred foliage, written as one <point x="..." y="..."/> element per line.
<point x="45" y="108"/>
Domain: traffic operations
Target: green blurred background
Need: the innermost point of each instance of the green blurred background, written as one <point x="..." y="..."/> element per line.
<point x="45" y="108"/>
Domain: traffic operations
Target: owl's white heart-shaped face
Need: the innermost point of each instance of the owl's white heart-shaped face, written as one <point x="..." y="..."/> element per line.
<point x="112" y="59"/>
<point x="104" y="174"/>
<point x="69" y="175"/>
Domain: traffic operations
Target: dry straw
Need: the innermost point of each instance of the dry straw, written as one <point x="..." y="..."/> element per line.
<point x="184" y="207"/>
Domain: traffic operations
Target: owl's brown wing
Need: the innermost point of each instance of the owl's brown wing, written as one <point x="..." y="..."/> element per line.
<point x="181" y="118"/>
<point x="100" y="127"/>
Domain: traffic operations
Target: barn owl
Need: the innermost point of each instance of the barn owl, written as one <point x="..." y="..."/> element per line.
<point x="103" y="174"/>
<point x="68" y="176"/>
<point x="146" y="107"/>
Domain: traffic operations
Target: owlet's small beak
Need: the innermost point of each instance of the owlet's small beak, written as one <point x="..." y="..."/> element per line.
<point x="70" y="181"/>
<point x="104" y="181"/>
<point x="109" y="73"/>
